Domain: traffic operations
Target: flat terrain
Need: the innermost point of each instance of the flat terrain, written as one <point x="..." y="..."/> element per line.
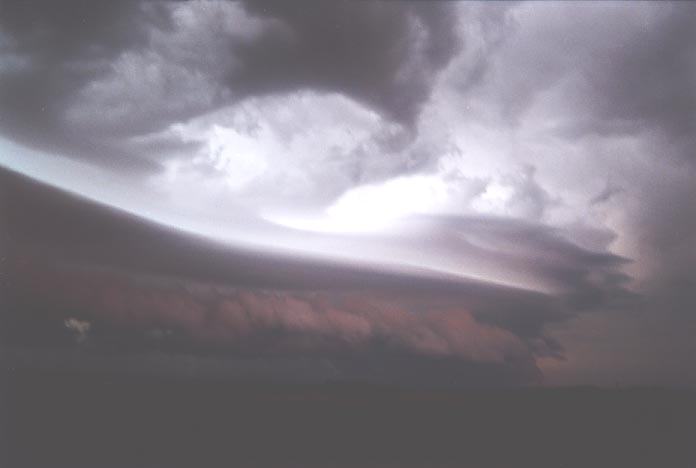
<point x="61" y="419"/>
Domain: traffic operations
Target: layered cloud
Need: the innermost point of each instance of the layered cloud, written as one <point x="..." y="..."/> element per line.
<point x="107" y="277"/>
<point x="261" y="322"/>
<point x="527" y="166"/>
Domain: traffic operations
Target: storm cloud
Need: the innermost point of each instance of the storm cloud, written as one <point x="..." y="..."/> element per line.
<point x="110" y="75"/>
<point x="500" y="186"/>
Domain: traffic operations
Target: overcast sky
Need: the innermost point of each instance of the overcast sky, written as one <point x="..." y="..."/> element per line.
<point x="446" y="193"/>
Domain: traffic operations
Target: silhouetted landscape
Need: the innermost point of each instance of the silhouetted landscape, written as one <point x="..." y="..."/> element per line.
<point x="60" y="419"/>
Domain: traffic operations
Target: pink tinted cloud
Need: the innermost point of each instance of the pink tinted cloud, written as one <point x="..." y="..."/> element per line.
<point x="265" y="321"/>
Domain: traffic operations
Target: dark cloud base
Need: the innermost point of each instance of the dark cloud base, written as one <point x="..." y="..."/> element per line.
<point x="78" y="274"/>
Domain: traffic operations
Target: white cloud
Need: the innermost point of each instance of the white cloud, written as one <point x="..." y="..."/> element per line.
<point x="276" y="151"/>
<point x="80" y="328"/>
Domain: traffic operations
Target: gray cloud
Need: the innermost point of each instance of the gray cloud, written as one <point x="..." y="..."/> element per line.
<point x="60" y="48"/>
<point x="615" y="90"/>
<point x="84" y="78"/>
<point x="647" y="82"/>
<point x="383" y="53"/>
<point x="71" y="259"/>
<point x="533" y="146"/>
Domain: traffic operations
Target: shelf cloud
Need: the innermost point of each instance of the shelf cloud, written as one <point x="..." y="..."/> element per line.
<point x="393" y="191"/>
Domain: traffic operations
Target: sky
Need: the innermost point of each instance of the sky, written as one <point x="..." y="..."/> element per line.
<point x="419" y="193"/>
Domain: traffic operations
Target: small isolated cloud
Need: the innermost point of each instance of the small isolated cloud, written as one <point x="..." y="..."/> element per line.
<point x="79" y="328"/>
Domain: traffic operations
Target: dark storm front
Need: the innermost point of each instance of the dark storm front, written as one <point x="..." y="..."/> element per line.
<point x="347" y="234"/>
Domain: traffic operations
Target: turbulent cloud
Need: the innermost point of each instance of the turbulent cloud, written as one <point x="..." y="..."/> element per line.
<point x="107" y="75"/>
<point x="381" y="53"/>
<point x="181" y="70"/>
<point x="278" y="149"/>
<point x="510" y="171"/>
<point x="60" y="50"/>
<point x="600" y="93"/>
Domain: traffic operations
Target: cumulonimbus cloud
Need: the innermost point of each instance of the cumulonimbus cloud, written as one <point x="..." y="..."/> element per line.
<point x="202" y="318"/>
<point x="523" y="163"/>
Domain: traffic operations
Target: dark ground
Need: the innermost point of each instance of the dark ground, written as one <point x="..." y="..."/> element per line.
<point x="61" y="419"/>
